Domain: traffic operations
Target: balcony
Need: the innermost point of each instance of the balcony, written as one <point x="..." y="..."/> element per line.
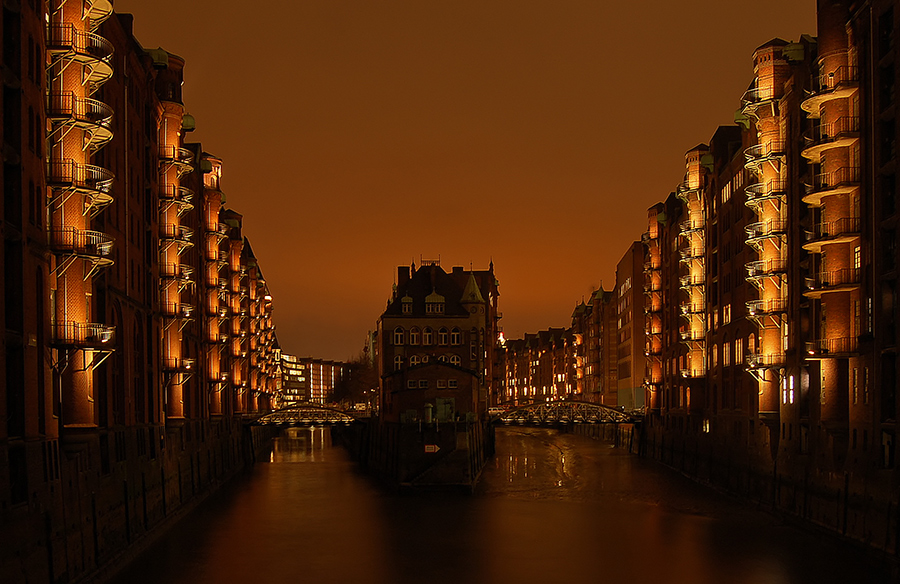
<point x="691" y="336"/>
<point x="690" y="280"/>
<point x="84" y="335"/>
<point x="838" y="84"/>
<point x="844" y="230"/>
<point x="690" y="253"/>
<point x="91" y="50"/>
<point x="652" y="264"/>
<point x="691" y="226"/>
<point x="97" y="11"/>
<point x="762" y="230"/>
<point x="691" y="308"/>
<point x="765" y="361"/>
<point x="170" y="194"/>
<point x="182" y="274"/>
<point x="92" y="245"/>
<point x="178" y="310"/>
<point x="843" y="280"/>
<point x="685" y="191"/>
<point x="180" y="234"/>
<point x="759" y="154"/>
<point x="93" y="181"/>
<point x="693" y="373"/>
<point x="757" y="97"/>
<point x="841" y="133"/>
<point x="181" y="158"/>
<point x="837" y="182"/>
<point x="768" y="307"/>
<point x="759" y="193"/>
<point x="90" y="115"/>
<point x="765" y="268"/>
<point x="828" y="348"/>
<point x="178" y="365"/>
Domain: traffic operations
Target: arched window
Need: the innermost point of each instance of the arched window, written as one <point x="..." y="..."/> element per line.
<point x="454" y="360"/>
<point x="455" y="337"/>
<point x="398" y="363"/>
<point x="414" y="360"/>
<point x="442" y="358"/>
<point x="424" y="358"/>
<point x="428" y="336"/>
<point x="398" y="335"/>
<point x="414" y="336"/>
<point x="443" y="336"/>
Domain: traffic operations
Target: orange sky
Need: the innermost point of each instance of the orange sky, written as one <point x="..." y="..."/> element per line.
<point x="360" y="135"/>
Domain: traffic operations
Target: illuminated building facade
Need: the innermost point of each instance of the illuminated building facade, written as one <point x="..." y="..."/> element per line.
<point x="436" y="344"/>
<point x="138" y="324"/>
<point x="777" y="370"/>
<point x="543" y="366"/>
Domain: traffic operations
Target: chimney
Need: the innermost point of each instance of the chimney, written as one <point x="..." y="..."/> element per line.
<point x="402" y="275"/>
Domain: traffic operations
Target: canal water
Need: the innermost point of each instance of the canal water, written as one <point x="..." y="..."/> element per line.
<point x="549" y="508"/>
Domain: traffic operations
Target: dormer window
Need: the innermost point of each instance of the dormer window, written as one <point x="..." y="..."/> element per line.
<point x="406" y="303"/>
<point x="434" y="304"/>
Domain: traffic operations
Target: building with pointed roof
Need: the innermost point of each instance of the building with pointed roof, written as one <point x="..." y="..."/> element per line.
<point x="436" y="344"/>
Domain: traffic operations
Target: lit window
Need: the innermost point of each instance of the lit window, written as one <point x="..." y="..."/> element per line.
<point x="398" y="335"/>
<point x="455" y="337"/>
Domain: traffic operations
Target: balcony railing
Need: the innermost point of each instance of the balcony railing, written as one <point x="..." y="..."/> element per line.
<point x="90" y="114"/>
<point x="764" y="191"/>
<point x="690" y="253"/>
<point x="66" y="38"/>
<point x="67" y="173"/>
<point x="765" y="229"/>
<point x="692" y="308"/>
<point x="176" y="192"/>
<point x="181" y="272"/>
<point x="81" y="242"/>
<point x="181" y="233"/>
<point x="832" y="347"/>
<point x="178" y="364"/>
<point x="693" y="373"/>
<point x="766" y="307"/>
<point x="845" y="277"/>
<point x="177" y="309"/>
<point x="97" y="11"/>
<point x="835" y="182"/>
<point x="689" y="280"/>
<point x="182" y="158"/>
<point x="757" y="95"/>
<point x="765" y="361"/>
<point x="832" y="131"/>
<point x="691" y="226"/>
<point x="765" y="268"/>
<point x="692" y="335"/>
<point x="759" y="153"/>
<point x="84" y="335"/>
<point x="842" y="76"/>
<point x="845" y="228"/>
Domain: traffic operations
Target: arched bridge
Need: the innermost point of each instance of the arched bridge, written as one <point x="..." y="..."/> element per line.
<point x="565" y="412"/>
<point x="305" y="414"/>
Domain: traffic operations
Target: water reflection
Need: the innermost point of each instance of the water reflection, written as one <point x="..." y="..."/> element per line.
<point x="549" y="507"/>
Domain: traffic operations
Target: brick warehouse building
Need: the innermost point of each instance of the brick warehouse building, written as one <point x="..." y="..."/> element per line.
<point x="138" y="324"/>
<point x="771" y="285"/>
<point x="436" y="344"/>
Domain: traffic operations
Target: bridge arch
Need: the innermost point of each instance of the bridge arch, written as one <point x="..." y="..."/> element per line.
<point x="305" y="414"/>
<point x="565" y="412"/>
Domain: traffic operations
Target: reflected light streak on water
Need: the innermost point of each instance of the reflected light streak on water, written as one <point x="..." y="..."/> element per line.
<point x="549" y="508"/>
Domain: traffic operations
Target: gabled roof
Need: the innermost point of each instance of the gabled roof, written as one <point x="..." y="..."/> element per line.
<point x="428" y="284"/>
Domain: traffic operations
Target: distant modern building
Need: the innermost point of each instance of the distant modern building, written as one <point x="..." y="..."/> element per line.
<point x="436" y="344"/>
<point x="629" y="299"/>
